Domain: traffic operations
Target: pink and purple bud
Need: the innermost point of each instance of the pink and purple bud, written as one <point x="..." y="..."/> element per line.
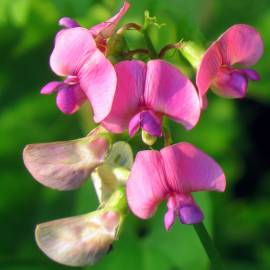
<point x="240" y="45"/>
<point x="172" y="174"/>
<point x="146" y="92"/>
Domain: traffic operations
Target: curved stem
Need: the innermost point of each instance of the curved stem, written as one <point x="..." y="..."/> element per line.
<point x="209" y="246"/>
<point x="168" y="47"/>
<point x="129" y="26"/>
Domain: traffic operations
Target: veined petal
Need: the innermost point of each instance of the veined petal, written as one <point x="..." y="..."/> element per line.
<point x="98" y="81"/>
<point x="169" y="92"/>
<point x="188" y="169"/>
<point x="128" y="95"/>
<point x="70" y="98"/>
<point x="72" y="48"/>
<point x="65" y="165"/>
<point x="208" y="69"/>
<point x="146" y="185"/>
<point x="106" y="29"/>
<point x="240" y="44"/>
<point x="78" y="241"/>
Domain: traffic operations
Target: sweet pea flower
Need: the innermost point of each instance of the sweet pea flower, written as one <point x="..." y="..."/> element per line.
<point x="89" y="75"/>
<point x="78" y="56"/>
<point x="80" y="240"/>
<point x="85" y="239"/>
<point x="173" y="174"/>
<point x="240" y="45"/>
<point x="147" y="91"/>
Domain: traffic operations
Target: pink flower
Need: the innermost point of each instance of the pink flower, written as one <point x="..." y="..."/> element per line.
<point x="146" y="92"/>
<point x="242" y="45"/>
<point x="78" y="56"/>
<point x="173" y="174"/>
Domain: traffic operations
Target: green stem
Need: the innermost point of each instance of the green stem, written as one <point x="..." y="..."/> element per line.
<point x="152" y="51"/>
<point x="209" y="246"/>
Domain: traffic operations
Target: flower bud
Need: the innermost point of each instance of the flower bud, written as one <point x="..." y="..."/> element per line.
<point x="147" y="138"/>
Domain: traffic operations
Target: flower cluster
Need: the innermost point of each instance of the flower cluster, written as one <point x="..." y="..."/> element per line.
<point x="126" y="93"/>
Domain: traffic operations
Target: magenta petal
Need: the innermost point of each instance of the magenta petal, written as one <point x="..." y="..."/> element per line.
<point x="51" y="87"/>
<point x="68" y="22"/>
<point x="70" y="98"/>
<point x="151" y="123"/>
<point x="241" y="44"/>
<point x="148" y="121"/>
<point x="230" y="83"/>
<point x="190" y="214"/>
<point x="169" y="92"/>
<point x="98" y="81"/>
<point x="251" y="74"/>
<point x="72" y="47"/>
<point x="134" y="124"/>
<point x="208" y="70"/>
<point x="146" y="185"/>
<point x="128" y="95"/>
<point x="188" y="169"/>
<point x="106" y="29"/>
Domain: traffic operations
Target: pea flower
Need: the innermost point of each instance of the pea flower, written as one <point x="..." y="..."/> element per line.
<point x="89" y="75"/>
<point x="80" y="240"/>
<point x="146" y="92"/>
<point x="66" y="165"/>
<point x="173" y="174"/>
<point x="240" y="45"/>
<point x="85" y="239"/>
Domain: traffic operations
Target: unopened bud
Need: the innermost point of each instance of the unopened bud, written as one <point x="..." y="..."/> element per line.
<point x="147" y="138"/>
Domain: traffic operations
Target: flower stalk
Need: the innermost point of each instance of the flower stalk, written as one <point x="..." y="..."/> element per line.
<point x="209" y="246"/>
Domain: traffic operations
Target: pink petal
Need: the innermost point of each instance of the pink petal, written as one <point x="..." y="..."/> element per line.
<point x="146" y="185"/>
<point x="169" y="219"/>
<point x="106" y="29"/>
<point x="169" y="92"/>
<point x="98" y="81"/>
<point x="68" y="22"/>
<point x="72" y="48"/>
<point x="128" y="95"/>
<point x="208" y="70"/>
<point x="65" y="165"/>
<point x="230" y="83"/>
<point x="70" y="98"/>
<point x="188" y="169"/>
<point x="50" y="87"/>
<point x="241" y="44"/>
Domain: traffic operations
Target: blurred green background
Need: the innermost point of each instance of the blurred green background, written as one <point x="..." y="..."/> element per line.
<point x="234" y="132"/>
